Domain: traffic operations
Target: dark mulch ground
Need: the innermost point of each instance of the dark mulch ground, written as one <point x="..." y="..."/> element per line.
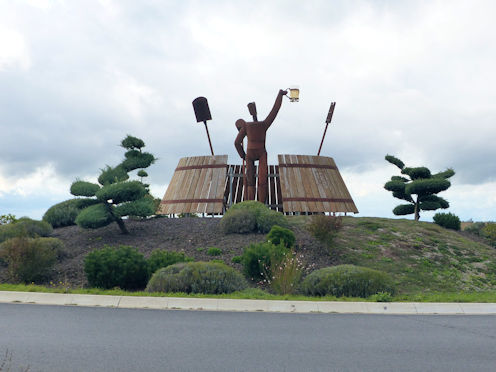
<point x="193" y="236"/>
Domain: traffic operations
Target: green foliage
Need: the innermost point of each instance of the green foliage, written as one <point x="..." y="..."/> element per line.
<point x="83" y="188"/>
<point x="111" y="175"/>
<point x="258" y="258"/>
<point x="131" y="143"/>
<point x="421" y="183"/>
<point x="142" y="173"/>
<point x="447" y="220"/>
<point x="160" y="258"/>
<point x="214" y="251"/>
<point x="489" y="232"/>
<point x="280" y="235"/>
<point x="395" y="161"/>
<point x="95" y="216"/>
<point x="122" y="267"/>
<point x="139" y="208"/>
<point x="325" y="228"/>
<point x="285" y="273"/>
<point x="347" y="280"/>
<point x="7" y="218"/>
<point x="240" y="221"/>
<point x="65" y="213"/>
<point x="197" y="277"/>
<point x="404" y="209"/>
<point x="251" y="216"/>
<point x="30" y="259"/>
<point x="117" y="198"/>
<point x="475" y="228"/>
<point x="236" y="259"/>
<point x="25" y="227"/>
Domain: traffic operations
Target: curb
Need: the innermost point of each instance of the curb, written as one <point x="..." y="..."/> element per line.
<point x="221" y="304"/>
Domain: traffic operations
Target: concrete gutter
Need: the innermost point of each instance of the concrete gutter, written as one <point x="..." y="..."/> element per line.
<point x="218" y="304"/>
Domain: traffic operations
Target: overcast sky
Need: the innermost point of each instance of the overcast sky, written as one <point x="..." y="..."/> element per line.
<point x="415" y="79"/>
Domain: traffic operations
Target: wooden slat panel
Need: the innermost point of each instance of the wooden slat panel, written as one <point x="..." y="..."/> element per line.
<point x="313" y="184"/>
<point x="197" y="186"/>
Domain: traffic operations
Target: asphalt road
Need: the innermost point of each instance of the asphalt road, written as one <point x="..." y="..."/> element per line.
<point x="57" y="338"/>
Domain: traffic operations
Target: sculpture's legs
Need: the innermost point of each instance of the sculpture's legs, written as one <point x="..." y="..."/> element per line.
<point x="250" y="180"/>
<point x="262" y="178"/>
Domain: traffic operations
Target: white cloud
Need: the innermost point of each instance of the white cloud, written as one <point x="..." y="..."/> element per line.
<point x="14" y="52"/>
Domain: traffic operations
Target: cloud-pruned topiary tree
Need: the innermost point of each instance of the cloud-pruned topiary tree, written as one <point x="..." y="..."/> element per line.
<point x="117" y="196"/>
<point x="418" y="188"/>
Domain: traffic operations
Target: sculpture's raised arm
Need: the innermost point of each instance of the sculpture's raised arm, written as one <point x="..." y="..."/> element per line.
<point x="275" y="109"/>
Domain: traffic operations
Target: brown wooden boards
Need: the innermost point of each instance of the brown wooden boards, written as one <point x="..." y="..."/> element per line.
<point x="313" y="184"/>
<point x="197" y="186"/>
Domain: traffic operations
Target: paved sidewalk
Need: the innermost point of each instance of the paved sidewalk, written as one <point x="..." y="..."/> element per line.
<point x="218" y="304"/>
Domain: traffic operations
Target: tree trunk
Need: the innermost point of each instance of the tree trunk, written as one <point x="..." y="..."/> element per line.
<point x="417" y="212"/>
<point x="121" y="224"/>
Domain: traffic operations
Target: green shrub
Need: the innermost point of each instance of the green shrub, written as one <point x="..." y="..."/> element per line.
<point x="257" y="259"/>
<point x="236" y="259"/>
<point x="197" y="277"/>
<point x="280" y="235"/>
<point x="347" y="280"/>
<point x="160" y="258"/>
<point x="475" y="228"/>
<point x="286" y="273"/>
<point x="238" y="221"/>
<point x="489" y="232"/>
<point x="217" y="261"/>
<point x="25" y="227"/>
<point x="65" y="213"/>
<point x="122" y="267"/>
<point x="447" y="220"/>
<point x="325" y="228"/>
<point x="214" y="251"/>
<point x="30" y="259"/>
<point x="251" y="216"/>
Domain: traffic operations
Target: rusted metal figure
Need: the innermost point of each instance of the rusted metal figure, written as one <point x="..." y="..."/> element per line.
<point x="255" y="149"/>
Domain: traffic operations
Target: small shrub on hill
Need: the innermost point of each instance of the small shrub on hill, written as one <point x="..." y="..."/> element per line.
<point x="251" y="216"/>
<point x="347" y="280"/>
<point x="447" y="220"/>
<point x="25" y="227"/>
<point x="122" y="267"/>
<point x="325" y="228"/>
<point x="160" y="258"/>
<point x="197" y="277"/>
<point x="489" y="232"/>
<point x="280" y="235"/>
<point x="285" y="273"/>
<point x="258" y="258"/>
<point x="30" y="259"/>
<point x="214" y="251"/>
<point x="65" y="213"/>
<point x="475" y="228"/>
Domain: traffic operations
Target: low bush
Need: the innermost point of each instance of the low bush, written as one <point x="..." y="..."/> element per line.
<point x="160" y="258"/>
<point x="285" y="273"/>
<point x="197" y="277"/>
<point x="214" y="251"/>
<point x="475" y="228"/>
<point x="7" y="218"/>
<point x="347" y="280"/>
<point x="251" y="216"/>
<point x="325" y="228"/>
<point x="122" y="267"/>
<point x="447" y="220"/>
<point x="258" y="258"/>
<point x="489" y="232"/>
<point x="240" y="221"/>
<point x="280" y="235"/>
<point x="25" y="227"/>
<point x="236" y="259"/>
<point x="30" y="259"/>
<point x="65" y="213"/>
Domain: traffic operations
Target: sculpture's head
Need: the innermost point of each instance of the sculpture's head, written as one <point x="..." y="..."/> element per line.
<point x="240" y="123"/>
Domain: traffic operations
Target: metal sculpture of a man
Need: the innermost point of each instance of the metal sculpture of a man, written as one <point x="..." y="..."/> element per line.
<point x="255" y="149"/>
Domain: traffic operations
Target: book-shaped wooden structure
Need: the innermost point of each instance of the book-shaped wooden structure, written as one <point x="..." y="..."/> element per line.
<point x="299" y="184"/>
